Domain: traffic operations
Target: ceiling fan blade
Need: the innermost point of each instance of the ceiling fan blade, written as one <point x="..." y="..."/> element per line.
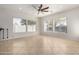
<point x="44" y="8"/>
<point x="40" y="7"/>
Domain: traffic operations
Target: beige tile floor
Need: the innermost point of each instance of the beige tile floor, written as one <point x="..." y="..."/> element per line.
<point x="39" y="45"/>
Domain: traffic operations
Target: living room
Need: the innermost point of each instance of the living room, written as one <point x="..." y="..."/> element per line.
<point x="39" y="28"/>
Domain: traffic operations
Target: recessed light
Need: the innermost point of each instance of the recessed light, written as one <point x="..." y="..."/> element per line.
<point x="20" y="8"/>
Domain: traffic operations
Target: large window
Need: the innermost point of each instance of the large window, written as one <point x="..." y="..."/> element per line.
<point x="23" y="25"/>
<point x="48" y="26"/>
<point x="61" y="24"/>
<point x="31" y="26"/>
<point x="57" y="25"/>
<point x="19" y="25"/>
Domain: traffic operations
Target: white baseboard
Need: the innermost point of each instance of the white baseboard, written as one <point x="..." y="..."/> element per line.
<point x="20" y="37"/>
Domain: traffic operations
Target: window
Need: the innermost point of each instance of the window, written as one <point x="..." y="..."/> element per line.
<point x="19" y="25"/>
<point x="61" y="25"/>
<point x="57" y="25"/>
<point x="23" y="25"/>
<point x="48" y="26"/>
<point x="31" y="26"/>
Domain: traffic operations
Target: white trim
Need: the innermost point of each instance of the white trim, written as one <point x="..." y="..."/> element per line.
<point x="31" y="34"/>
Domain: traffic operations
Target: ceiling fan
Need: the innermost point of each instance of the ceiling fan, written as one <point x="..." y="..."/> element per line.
<point x="41" y="8"/>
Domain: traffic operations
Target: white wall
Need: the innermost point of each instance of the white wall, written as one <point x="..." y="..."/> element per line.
<point x="6" y="21"/>
<point x="6" y="17"/>
<point x="72" y="24"/>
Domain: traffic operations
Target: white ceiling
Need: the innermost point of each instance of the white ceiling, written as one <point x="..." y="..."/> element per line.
<point x="29" y="9"/>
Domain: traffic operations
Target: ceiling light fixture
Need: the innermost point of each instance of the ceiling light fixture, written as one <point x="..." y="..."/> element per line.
<point x="41" y="8"/>
<point x="20" y="8"/>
